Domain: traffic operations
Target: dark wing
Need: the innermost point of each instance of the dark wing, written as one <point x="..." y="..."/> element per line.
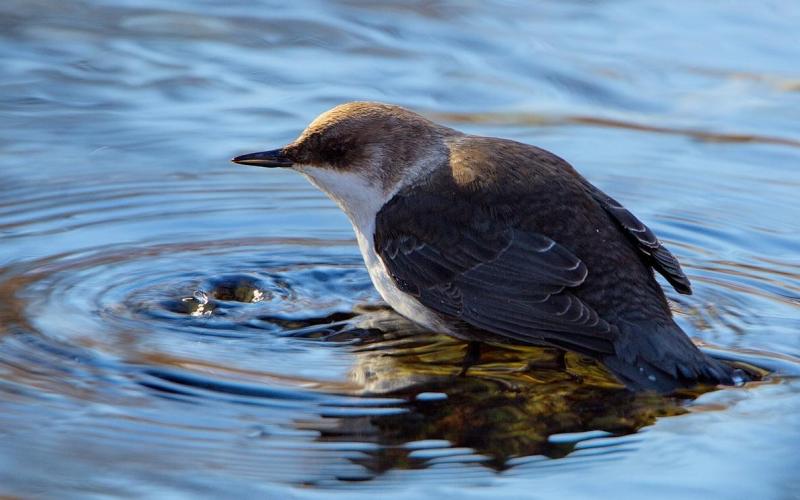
<point x="463" y="263"/>
<point x="654" y="253"/>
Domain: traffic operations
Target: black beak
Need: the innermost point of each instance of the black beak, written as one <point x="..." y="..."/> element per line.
<point x="269" y="159"/>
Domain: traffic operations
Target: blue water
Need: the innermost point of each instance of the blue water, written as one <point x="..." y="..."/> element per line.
<point x="172" y="325"/>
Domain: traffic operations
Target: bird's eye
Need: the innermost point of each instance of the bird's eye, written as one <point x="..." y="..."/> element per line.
<point x="336" y="152"/>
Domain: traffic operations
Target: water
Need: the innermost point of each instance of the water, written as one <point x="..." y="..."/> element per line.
<point x="172" y="324"/>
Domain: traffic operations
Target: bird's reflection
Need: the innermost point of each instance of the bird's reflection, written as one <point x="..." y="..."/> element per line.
<point x="508" y="405"/>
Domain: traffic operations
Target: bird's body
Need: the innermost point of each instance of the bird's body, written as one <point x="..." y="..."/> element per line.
<point x="493" y="240"/>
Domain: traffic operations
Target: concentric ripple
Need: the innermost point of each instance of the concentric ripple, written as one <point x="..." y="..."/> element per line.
<point x="267" y="337"/>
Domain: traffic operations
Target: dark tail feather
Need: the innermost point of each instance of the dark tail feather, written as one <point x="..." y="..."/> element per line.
<point x="654" y="356"/>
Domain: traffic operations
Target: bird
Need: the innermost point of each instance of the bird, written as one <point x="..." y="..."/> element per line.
<point x="491" y="240"/>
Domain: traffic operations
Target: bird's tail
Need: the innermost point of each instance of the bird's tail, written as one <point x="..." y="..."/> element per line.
<point x="660" y="357"/>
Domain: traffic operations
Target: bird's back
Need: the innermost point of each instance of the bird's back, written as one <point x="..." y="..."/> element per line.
<point x="535" y="190"/>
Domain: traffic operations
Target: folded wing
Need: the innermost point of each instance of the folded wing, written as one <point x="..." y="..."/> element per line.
<point x="490" y="275"/>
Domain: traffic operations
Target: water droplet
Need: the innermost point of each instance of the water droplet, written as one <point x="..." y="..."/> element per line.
<point x="739" y="377"/>
<point x="196" y="305"/>
<point x="201" y="297"/>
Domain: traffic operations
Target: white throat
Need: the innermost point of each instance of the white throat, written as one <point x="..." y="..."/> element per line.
<point x="361" y="200"/>
<point x="361" y="197"/>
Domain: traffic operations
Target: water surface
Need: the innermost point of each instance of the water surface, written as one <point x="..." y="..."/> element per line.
<point x="171" y="324"/>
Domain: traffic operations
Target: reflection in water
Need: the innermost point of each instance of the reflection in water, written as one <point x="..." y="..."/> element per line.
<point x="418" y="410"/>
<point x="507" y="406"/>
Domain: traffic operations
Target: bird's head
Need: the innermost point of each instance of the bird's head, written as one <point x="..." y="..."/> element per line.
<point x="360" y="149"/>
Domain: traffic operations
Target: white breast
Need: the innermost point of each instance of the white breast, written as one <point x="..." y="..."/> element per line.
<point x="361" y="201"/>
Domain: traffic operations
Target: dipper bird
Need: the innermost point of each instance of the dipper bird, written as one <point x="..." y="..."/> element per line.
<point x="493" y="240"/>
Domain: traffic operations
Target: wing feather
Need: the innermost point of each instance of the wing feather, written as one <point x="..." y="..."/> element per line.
<point x="649" y="246"/>
<point x="494" y="277"/>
